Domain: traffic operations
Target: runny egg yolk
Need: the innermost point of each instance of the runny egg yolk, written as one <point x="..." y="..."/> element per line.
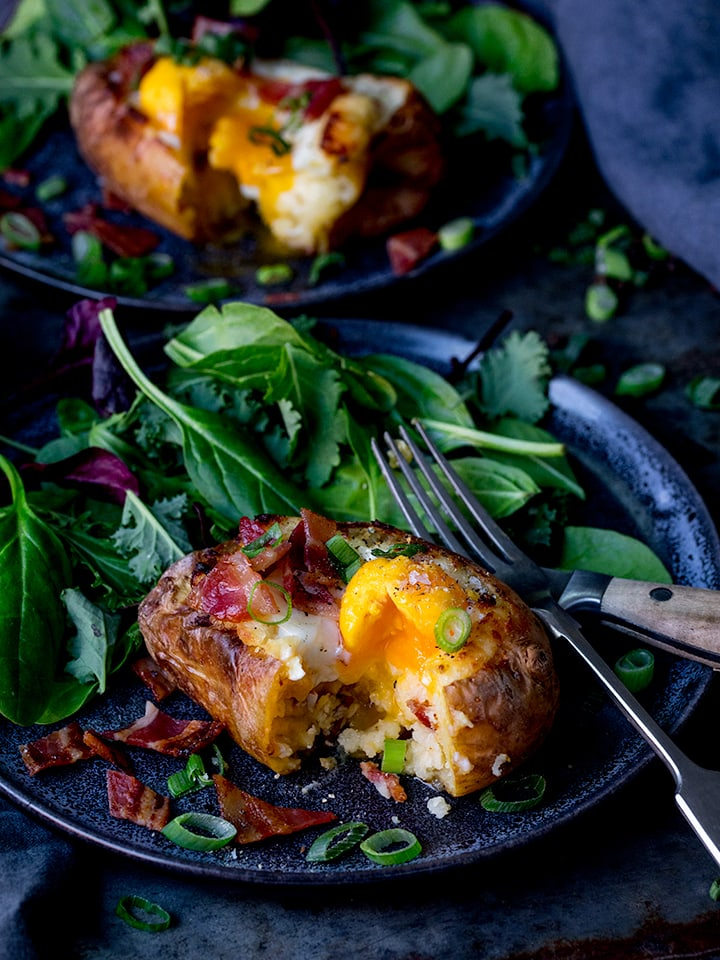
<point x="389" y="611"/>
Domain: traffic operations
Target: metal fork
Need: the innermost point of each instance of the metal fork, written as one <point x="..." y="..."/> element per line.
<point x="697" y="790"/>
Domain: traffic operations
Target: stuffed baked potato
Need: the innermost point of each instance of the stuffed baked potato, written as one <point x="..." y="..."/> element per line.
<point x="195" y="147"/>
<point x="266" y="634"/>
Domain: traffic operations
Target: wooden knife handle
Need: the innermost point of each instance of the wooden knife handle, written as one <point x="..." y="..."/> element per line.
<point x="685" y="620"/>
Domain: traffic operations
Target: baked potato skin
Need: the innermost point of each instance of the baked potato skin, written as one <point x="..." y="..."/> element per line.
<point x="183" y="195"/>
<point x="491" y="710"/>
<point x="210" y="663"/>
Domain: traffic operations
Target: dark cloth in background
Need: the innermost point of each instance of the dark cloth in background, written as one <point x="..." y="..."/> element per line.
<point x="647" y="80"/>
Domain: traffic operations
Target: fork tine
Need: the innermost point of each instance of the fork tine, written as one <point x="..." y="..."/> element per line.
<point x="491" y="529"/>
<point x="443" y="531"/>
<point x="479" y="547"/>
<point x="401" y="498"/>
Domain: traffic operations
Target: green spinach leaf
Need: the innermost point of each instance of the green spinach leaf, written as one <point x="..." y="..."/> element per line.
<point x="34" y="570"/>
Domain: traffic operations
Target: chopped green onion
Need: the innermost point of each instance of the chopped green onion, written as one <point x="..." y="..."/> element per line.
<point x="704" y="392"/>
<point x="271" y="537"/>
<point x="601" y="302"/>
<point x="193" y="778"/>
<point x="322" y="263"/>
<point x="87" y="252"/>
<point x="127" y="275"/>
<point x="156" y="918"/>
<point x="390" y="847"/>
<point x="640" y="380"/>
<point x="456" y="234"/>
<point x="347" y="560"/>
<point x="393" y="758"/>
<point x="208" y="291"/>
<point x="214" y="831"/>
<point x="714" y="890"/>
<point x="218" y="761"/>
<point x="336" y="841"/>
<point x="514" y="794"/>
<point x="273" y="273"/>
<point x="621" y="232"/>
<point x="20" y="231"/>
<point x="267" y="136"/>
<point x="653" y="249"/>
<point x="452" y="629"/>
<point x="400" y="550"/>
<point x="159" y="266"/>
<point x="636" y="669"/>
<point x="275" y="586"/>
<point x="612" y="263"/>
<point x="51" y="188"/>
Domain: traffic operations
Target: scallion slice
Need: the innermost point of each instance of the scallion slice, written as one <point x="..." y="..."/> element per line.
<point x="272" y="273"/>
<point x="193" y="778"/>
<point x="336" y="841"/>
<point x="212" y="832"/>
<point x="20" y="231"/>
<point x="452" y="629"/>
<point x="275" y="586"/>
<point x="714" y="890"/>
<point x="456" y="233"/>
<point x="390" y="847"/>
<point x="346" y="558"/>
<point x="400" y="550"/>
<point x="601" y="302"/>
<point x="271" y="537"/>
<point x="636" y="669"/>
<point x="640" y="380"/>
<point x="209" y="291"/>
<point x="514" y="794"/>
<point x="52" y="187"/>
<point x="131" y="908"/>
<point x="393" y="758"/>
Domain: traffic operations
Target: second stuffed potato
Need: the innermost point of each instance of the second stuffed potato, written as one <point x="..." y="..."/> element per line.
<point x="194" y="147"/>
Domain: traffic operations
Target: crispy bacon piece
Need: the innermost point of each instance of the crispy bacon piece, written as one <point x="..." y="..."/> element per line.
<point x="226" y="590"/>
<point x="249" y="530"/>
<point x="129" y="799"/>
<point x="158" y="682"/>
<point x="164" y="734"/>
<point x="257" y="819"/>
<point x="387" y="784"/>
<point x="407" y="249"/>
<point x="58" y="749"/>
<point x="125" y="241"/>
<point x="106" y="751"/>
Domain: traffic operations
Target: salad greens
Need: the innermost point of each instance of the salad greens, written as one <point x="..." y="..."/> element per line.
<point x="474" y="65"/>
<point x="255" y="415"/>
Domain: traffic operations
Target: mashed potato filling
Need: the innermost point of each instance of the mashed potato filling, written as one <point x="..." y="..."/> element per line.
<point x="377" y="672"/>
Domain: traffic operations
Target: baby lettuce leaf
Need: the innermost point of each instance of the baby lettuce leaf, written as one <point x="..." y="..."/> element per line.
<point x="92" y="644"/>
<point x="237" y="325"/>
<point x="145" y="539"/>
<point x="611" y="552"/>
<point x="33" y="83"/>
<point x="509" y="42"/>
<point x="34" y="570"/>
<point x="226" y="467"/>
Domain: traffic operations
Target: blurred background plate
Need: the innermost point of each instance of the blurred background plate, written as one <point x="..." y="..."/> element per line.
<point x="483" y="183"/>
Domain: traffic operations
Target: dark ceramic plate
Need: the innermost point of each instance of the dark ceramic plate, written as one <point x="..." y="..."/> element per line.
<point x="633" y="485"/>
<point x="480" y="184"/>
